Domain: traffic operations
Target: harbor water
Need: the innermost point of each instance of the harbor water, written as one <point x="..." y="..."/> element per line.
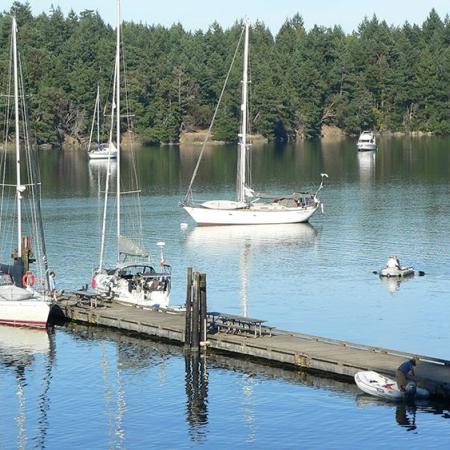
<point x="93" y="388"/>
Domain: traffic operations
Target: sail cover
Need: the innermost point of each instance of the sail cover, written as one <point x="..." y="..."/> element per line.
<point x="130" y="248"/>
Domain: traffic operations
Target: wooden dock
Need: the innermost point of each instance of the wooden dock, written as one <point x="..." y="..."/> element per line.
<point x="296" y="350"/>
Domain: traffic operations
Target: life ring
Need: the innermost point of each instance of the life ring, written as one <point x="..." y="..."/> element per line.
<point x="28" y="279"/>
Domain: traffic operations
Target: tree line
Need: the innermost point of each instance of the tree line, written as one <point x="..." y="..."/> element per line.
<point x="390" y="78"/>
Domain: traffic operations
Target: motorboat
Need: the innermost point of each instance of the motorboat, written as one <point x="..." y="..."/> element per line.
<point x="367" y="141"/>
<point x="378" y="385"/>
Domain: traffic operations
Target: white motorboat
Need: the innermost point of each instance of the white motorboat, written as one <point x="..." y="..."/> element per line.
<point x="367" y="141"/>
<point x="373" y="383"/>
<point x="134" y="279"/>
<point x="25" y="297"/>
<point x="100" y="150"/>
<point x="250" y="207"/>
<point x="394" y="269"/>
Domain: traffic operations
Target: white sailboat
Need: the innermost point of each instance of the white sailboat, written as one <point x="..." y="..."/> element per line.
<point x="99" y="150"/>
<point x="134" y="280"/>
<point x="251" y="207"/>
<point x="21" y="302"/>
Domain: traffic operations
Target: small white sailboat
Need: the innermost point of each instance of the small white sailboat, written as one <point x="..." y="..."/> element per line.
<point x="100" y="150"/>
<point x="250" y="207"/>
<point x="24" y="301"/>
<point x="367" y="141"/>
<point x="133" y="280"/>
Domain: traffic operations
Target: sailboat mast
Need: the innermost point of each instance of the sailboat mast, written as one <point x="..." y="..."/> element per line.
<point x="16" y="113"/>
<point x="98" y="114"/>
<point x="243" y="141"/>
<point x="118" y="124"/>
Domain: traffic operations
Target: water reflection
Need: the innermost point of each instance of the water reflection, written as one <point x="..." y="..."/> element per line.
<point x="405" y="414"/>
<point x="393" y="283"/>
<point x="97" y="169"/>
<point x="245" y="239"/>
<point x="18" y="350"/>
<point x="232" y="236"/>
<point x="198" y="369"/>
<point x="196" y="386"/>
<point x="367" y="163"/>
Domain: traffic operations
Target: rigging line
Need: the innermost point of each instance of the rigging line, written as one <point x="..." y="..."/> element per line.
<point x="136" y="226"/>
<point x="189" y="191"/>
<point x="249" y="127"/>
<point x="130" y="124"/>
<point x="108" y="172"/>
<point x="6" y="133"/>
<point x="41" y="251"/>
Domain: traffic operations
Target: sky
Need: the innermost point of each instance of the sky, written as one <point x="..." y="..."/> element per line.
<point x="199" y="14"/>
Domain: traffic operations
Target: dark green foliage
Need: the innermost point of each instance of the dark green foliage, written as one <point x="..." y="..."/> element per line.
<point x="383" y="77"/>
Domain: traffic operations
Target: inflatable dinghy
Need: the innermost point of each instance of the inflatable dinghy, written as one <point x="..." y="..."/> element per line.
<point x="373" y="383"/>
<point x="394" y="269"/>
<point x="396" y="272"/>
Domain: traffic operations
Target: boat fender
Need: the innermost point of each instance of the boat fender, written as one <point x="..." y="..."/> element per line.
<point x="94" y="283"/>
<point x="28" y="279"/>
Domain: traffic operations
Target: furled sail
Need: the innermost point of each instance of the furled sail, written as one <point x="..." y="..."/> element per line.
<point x="130" y="248"/>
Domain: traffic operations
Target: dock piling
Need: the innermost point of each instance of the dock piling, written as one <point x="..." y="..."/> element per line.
<point x="196" y="325"/>
<point x="203" y="310"/>
<point x="187" y="327"/>
<point x="195" y="341"/>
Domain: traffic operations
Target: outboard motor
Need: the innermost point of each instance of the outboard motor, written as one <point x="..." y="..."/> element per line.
<point x="410" y="390"/>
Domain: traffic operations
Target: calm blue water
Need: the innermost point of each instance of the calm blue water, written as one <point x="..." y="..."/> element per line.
<point x="90" y="388"/>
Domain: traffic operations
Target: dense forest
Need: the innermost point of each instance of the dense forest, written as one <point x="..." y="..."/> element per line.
<point x="380" y="76"/>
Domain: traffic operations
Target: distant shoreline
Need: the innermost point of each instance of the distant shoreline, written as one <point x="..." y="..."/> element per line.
<point x="197" y="138"/>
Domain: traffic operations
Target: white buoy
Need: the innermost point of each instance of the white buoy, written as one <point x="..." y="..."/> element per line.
<point x="183" y="225"/>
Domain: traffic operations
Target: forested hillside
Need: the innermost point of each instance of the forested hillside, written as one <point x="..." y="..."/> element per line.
<point x="379" y="76"/>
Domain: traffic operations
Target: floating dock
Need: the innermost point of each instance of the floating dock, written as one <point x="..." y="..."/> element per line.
<point x="250" y="338"/>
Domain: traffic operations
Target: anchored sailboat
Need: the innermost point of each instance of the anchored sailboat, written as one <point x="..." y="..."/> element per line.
<point x="250" y="207"/>
<point x="100" y="150"/>
<point x="133" y="280"/>
<point x="25" y="298"/>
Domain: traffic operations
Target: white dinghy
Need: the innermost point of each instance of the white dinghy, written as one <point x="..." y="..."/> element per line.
<point x="394" y="269"/>
<point x="373" y="383"/>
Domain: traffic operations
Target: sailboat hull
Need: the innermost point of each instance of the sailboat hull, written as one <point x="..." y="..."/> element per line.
<point x="254" y="215"/>
<point x="106" y="153"/>
<point x="29" y="313"/>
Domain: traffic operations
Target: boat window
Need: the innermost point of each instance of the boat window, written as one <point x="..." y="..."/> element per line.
<point x="136" y="270"/>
